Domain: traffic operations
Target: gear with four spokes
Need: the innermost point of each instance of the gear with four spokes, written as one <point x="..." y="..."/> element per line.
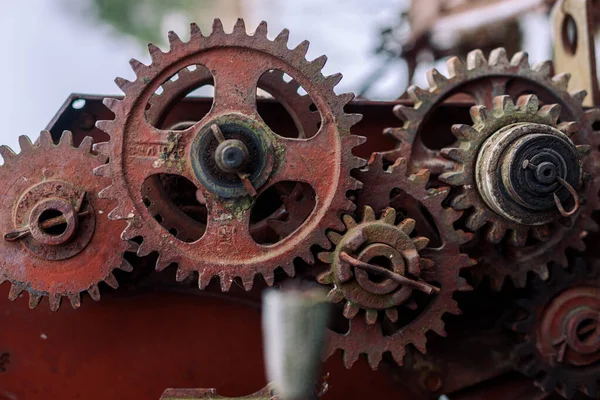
<point x="383" y="268"/>
<point x="528" y="184"/>
<point x="57" y="240"/>
<point x="231" y="155"/>
<point x="560" y="331"/>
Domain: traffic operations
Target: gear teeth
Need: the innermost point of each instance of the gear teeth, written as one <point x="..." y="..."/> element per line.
<point x="521" y="60"/>
<point x="543" y="68"/>
<point x="350" y="357"/>
<point x="561" y="81"/>
<point x="66" y="140"/>
<point x="125" y="265"/>
<point x="503" y="103"/>
<point x="283" y="37"/>
<point x="480" y="115"/>
<point x="7" y="153"/>
<point x="455" y="154"/>
<point x="476" y="220"/>
<point x="418" y="95"/>
<point x="217" y="27"/>
<point x="333" y="80"/>
<point x="498" y="57"/>
<point x="319" y="62"/>
<point x="453" y="178"/>
<point x="371" y="317"/>
<point x="239" y="27"/>
<point x="111" y="281"/>
<point x="261" y="29"/>
<point x="335" y="296"/>
<point x="420" y="242"/>
<point x="15" y="290"/>
<point x="476" y="59"/>
<point x="204" y="279"/>
<point x="154" y="51"/>
<point x="45" y="140"/>
<point x="455" y="67"/>
<point x="112" y="104"/>
<point x="54" y="300"/>
<point x="86" y="144"/>
<point x="195" y="32"/>
<point x="102" y="170"/>
<point x="517" y="238"/>
<point x="269" y="277"/>
<point x="123" y="84"/>
<point x="25" y="144"/>
<point x="226" y="280"/>
<point x="75" y="300"/>
<point x="325" y="257"/>
<point x="174" y="41"/>
<point x="94" y="292"/>
<point x="407" y="225"/>
<point x="350" y="310"/>
<point x="435" y="79"/>
<point x="578" y="96"/>
<point x="551" y="111"/>
<point x="105" y="125"/>
<point x="374" y="359"/>
<point x="528" y="104"/>
<point x="247" y="283"/>
<point x="34" y="299"/>
<point x="301" y="50"/>
<point x="464" y="132"/>
<point x="495" y="233"/>
<point x="138" y="67"/>
<point x="289" y="269"/>
<point x="181" y="274"/>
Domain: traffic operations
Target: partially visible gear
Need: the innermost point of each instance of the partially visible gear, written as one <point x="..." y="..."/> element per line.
<point x="482" y="80"/>
<point x="386" y="270"/>
<point x="231" y="135"/>
<point x="560" y="332"/>
<point x="57" y="240"/>
<point x="520" y="177"/>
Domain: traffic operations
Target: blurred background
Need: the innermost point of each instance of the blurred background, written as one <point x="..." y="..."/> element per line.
<point x="54" y="48"/>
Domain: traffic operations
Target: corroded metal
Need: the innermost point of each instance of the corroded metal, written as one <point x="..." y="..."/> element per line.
<point x="487" y="207"/>
<point x="57" y="239"/>
<point x="561" y="343"/>
<point x="411" y="257"/>
<point x="138" y="150"/>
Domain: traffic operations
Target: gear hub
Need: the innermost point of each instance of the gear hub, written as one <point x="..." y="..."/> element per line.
<point x="525" y="171"/>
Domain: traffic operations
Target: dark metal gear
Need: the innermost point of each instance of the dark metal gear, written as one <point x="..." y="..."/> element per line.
<point x="138" y="150"/>
<point x="57" y="239"/>
<point x="561" y="332"/>
<point x="482" y="80"/>
<point x="520" y="177"/>
<point x="402" y="281"/>
<point x="173" y="217"/>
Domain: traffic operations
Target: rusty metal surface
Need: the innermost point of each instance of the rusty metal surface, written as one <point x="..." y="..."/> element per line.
<point x="552" y="235"/>
<point x="560" y="347"/>
<point x="138" y="150"/>
<point x="413" y="260"/>
<point x="47" y="178"/>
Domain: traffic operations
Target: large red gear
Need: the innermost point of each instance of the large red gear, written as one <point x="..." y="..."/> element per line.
<point x="46" y="178"/>
<point x="365" y="335"/>
<point x="138" y="150"/>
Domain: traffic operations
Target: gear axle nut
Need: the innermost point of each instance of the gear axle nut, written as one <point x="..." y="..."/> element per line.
<point x="231" y="155"/>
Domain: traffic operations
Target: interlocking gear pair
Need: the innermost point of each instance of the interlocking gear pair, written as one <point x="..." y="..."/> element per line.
<point x="512" y="191"/>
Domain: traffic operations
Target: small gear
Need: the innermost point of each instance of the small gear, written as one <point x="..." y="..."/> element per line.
<point x="482" y="79"/>
<point x="231" y="155"/>
<point x="560" y="331"/>
<point x="381" y="266"/>
<point x="57" y="240"/>
<point x="516" y="168"/>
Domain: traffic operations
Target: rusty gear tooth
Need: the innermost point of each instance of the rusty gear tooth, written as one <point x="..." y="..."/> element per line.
<point x="153" y="50"/>
<point x="476" y="59"/>
<point x="248" y="282"/>
<point x="15" y="290"/>
<point x="283" y="37"/>
<point x="543" y="68"/>
<point x="350" y="357"/>
<point x="455" y="67"/>
<point x="239" y="27"/>
<point x="195" y="31"/>
<point x="7" y="154"/>
<point x="319" y="62"/>
<point x="435" y="79"/>
<point x="269" y="277"/>
<point x="498" y="57"/>
<point x="174" y="42"/>
<point x="45" y="139"/>
<point x="86" y="145"/>
<point x="138" y="68"/>
<point x="75" y="300"/>
<point x="217" y="27"/>
<point x="34" y="299"/>
<point x="561" y="81"/>
<point x="54" y="300"/>
<point x="374" y="359"/>
<point x="111" y="281"/>
<point x="94" y="292"/>
<point x="261" y="29"/>
<point x="123" y="84"/>
<point x="521" y="60"/>
<point x="578" y="96"/>
<point x="301" y="50"/>
<point x="25" y="144"/>
<point x="66" y="140"/>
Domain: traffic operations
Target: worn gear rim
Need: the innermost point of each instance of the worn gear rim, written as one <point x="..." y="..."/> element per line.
<point x="567" y="381"/>
<point x="266" y="258"/>
<point x="64" y="278"/>
<point x="363" y="338"/>
<point x="460" y="75"/>
<point x="554" y="237"/>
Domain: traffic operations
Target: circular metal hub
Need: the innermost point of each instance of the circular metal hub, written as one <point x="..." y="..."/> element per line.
<point x="57" y="198"/>
<point x="244" y="148"/>
<point x="523" y="169"/>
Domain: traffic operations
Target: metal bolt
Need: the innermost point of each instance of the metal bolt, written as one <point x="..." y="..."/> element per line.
<point x="231" y="155"/>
